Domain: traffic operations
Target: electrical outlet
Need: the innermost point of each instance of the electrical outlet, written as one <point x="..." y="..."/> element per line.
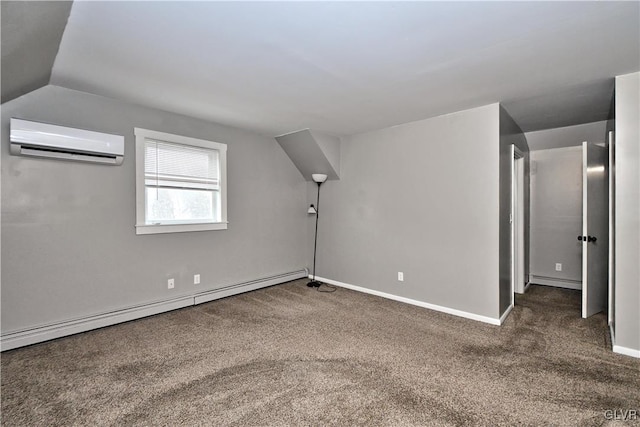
<point x="400" y="276"/>
<point x="171" y="283"/>
<point x="196" y="279"/>
<point x="558" y="266"/>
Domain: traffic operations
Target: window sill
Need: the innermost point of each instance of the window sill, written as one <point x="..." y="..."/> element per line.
<point x="179" y="228"/>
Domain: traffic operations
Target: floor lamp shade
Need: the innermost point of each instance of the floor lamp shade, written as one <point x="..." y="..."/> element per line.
<point x="319" y="177"/>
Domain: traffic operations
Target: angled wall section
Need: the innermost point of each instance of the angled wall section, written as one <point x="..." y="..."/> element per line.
<point x="312" y="152"/>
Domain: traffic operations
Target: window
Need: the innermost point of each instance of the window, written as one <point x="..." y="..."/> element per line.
<point x="180" y="183"/>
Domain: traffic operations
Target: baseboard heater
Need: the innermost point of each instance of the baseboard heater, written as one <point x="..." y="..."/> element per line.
<point x="558" y="283"/>
<point x="39" y="334"/>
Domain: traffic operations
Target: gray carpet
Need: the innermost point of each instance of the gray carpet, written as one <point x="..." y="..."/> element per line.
<point x="288" y="355"/>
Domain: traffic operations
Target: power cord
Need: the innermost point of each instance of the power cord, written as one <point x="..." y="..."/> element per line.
<point x="329" y="290"/>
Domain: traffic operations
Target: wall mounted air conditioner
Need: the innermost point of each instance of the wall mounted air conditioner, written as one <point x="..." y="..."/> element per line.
<point x="58" y="142"/>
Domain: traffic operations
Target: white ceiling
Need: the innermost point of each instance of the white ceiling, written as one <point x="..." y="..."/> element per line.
<point x="344" y="68"/>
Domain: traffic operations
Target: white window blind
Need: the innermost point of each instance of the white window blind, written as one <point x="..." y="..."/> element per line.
<point x="169" y="165"/>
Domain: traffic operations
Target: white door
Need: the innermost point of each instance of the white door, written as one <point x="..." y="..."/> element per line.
<point x="595" y="229"/>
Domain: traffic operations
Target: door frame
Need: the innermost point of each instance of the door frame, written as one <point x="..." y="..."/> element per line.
<point x="611" y="291"/>
<point x="516" y="218"/>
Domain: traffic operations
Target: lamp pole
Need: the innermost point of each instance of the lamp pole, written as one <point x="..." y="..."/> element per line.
<point x="319" y="179"/>
<point x="313" y="282"/>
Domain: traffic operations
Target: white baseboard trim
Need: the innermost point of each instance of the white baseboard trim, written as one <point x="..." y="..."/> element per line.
<point x="558" y="283"/>
<point x="526" y="287"/>
<point x="506" y="313"/>
<point x="619" y="349"/>
<point x="422" y="304"/>
<point x="35" y="335"/>
<point x="626" y="351"/>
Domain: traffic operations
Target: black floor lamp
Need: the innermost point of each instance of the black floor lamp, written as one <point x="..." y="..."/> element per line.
<point x="319" y="178"/>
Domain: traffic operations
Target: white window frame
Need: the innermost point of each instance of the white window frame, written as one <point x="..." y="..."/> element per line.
<point x="142" y="135"/>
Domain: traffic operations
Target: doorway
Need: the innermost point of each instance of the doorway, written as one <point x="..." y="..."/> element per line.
<point x="569" y="200"/>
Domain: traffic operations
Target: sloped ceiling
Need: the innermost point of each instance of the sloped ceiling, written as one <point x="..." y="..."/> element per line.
<point x="31" y="34"/>
<point x="348" y="67"/>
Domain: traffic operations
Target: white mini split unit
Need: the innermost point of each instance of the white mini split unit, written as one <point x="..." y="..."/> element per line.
<point x="63" y="143"/>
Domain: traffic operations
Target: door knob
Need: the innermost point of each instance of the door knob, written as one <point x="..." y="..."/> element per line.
<point x="591" y="239"/>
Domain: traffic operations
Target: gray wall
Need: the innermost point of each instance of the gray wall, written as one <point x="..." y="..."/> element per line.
<point x="556" y="213"/>
<point x="510" y="134"/>
<point x="421" y="198"/>
<point x="627" y="213"/>
<point x="69" y="247"/>
<point x="569" y="136"/>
